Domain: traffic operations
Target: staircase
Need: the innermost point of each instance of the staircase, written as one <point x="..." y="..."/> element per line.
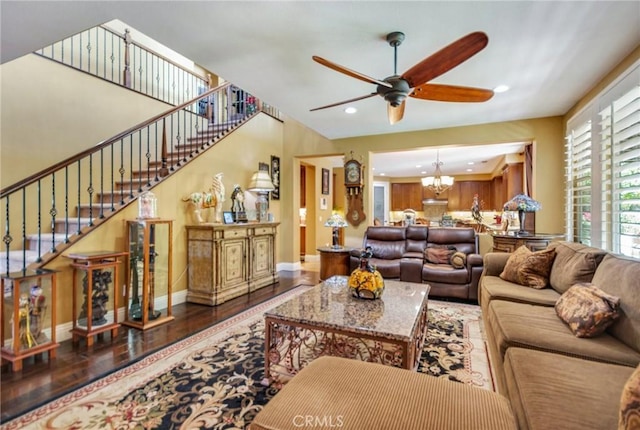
<point x="46" y="212"/>
<point x="93" y="206"/>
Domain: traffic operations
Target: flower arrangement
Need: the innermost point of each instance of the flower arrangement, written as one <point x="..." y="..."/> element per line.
<point x="523" y="203"/>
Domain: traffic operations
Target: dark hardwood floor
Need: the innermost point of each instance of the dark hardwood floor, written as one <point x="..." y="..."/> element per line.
<point x="41" y="381"/>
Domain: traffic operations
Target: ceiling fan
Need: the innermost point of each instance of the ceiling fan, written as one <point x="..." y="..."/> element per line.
<point x="414" y="82"/>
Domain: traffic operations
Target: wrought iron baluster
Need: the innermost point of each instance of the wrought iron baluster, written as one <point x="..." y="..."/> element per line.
<point x="7" y="239"/>
<point x="90" y="191"/>
<point x="66" y="204"/>
<point x="53" y="212"/>
<point x="79" y="231"/>
<point x="39" y="220"/>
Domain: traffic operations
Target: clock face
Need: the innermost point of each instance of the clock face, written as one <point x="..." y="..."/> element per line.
<point x="352" y="172"/>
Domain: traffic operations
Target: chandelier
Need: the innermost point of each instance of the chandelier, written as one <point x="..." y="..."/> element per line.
<point x="438" y="183"/>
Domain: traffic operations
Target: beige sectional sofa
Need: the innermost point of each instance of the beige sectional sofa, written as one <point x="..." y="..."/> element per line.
<point x="552" y="378"/>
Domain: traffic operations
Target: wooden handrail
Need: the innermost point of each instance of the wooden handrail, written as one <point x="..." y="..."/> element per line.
<point x="44" y="173"/>
<point x="168" y="60"/>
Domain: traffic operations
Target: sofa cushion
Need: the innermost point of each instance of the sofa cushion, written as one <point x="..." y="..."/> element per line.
<point x="574" y="263"/>
<point x="620" y="277"/>
<point x="551" y="391"/>
<point x="444" y="273"/>
<point x="587" y="309"/>
<point x="458" y="260"/>
<point x="416" y="238"/>
<point x="495" y="288"/>
<point x="529" y="268"/>
<point x="538" y="327"/>
<point x="629" y="417"/>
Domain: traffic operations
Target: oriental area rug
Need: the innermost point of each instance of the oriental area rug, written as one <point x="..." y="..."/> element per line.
<point x="212" y="379"/>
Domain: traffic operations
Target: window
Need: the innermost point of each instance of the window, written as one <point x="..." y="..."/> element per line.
<point x="603" y="169"/>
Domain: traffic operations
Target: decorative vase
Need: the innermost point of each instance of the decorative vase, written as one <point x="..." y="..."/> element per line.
<point x="521" y="217"/>
<point x="366" y="282"/>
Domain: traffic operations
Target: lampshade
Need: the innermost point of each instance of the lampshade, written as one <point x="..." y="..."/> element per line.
<point x="438" y="183"/>
<point x="523" y="203"/>
<point x="335" y="220"/>
<point x="260" y="181"/>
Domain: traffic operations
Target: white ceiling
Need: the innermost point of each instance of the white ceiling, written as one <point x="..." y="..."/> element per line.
<point x="549" y="53"/>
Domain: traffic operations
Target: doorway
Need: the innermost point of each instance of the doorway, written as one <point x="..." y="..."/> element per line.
<point x="381" y="202"/>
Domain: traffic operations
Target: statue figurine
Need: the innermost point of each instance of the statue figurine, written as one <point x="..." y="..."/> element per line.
<point x="217" y="189"/>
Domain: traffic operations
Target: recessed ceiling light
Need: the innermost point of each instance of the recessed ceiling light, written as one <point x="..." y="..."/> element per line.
<point x="471" y="163"/>
<point x="418" y="166"/>
<point x="382" y="174"/>
<point x="469" y="170"/>
<point x="424" y="172"/>
<point x="350" y="109"/>
<point x="501" y="89"/>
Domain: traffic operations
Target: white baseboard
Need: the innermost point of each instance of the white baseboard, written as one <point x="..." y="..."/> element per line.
<point x="289" y="267"/>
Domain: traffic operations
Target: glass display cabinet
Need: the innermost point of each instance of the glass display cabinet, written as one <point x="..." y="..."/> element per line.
<point x="95" y="298"/>
<point x="28" y="304"/>
<point x="148" y="293"/>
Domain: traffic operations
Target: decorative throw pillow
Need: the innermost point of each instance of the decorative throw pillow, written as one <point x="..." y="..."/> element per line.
<point x="459" y="260"/>
<point x="529" y="268"/>
<point x="439" y="254"/>
<point x="587" y="309"/>
<point x="629" y="417"/>
<point x="535" y="269"/>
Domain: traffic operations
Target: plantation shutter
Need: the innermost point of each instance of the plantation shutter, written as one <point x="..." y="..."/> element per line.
<point x="620" y="152"/>
<point x="578" y="153"/>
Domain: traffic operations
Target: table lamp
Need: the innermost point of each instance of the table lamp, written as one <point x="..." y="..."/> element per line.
<point x="261" y="185"/>
<point x="523" y="204"/>
<point x="336" y="222"/>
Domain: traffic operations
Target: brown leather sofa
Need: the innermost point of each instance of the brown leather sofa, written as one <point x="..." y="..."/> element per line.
<point x="398" y="253"/>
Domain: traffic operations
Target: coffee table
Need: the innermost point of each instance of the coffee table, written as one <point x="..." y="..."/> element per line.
<point x="327" y="320"/>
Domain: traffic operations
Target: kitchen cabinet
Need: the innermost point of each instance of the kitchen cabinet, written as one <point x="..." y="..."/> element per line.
<point x="462" y="192"/>
<point x="406" y="195"/>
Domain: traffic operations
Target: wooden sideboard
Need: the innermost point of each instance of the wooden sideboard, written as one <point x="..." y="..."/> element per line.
<point x="535" y="242"/>
<point x="229" y="260"/>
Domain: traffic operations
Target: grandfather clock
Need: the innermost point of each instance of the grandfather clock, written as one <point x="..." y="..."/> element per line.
<point x="353" y="181"/>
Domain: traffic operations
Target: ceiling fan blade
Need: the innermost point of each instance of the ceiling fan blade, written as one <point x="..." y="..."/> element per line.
<point x="451" y="93"/>
<point x="349" y="72"/>
<point x="346" y="101"/>
<point x="446" y="59"/>
<point x="395" y="114"/>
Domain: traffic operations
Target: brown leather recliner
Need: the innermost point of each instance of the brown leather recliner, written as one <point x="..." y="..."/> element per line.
<point x="445" y="280"/>
<point x="398" y="253"/>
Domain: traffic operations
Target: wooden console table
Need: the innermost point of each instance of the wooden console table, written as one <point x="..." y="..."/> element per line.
<point x="334" y="261"/>
<point x="535" y="242"/>
<point x="229" y="260"/>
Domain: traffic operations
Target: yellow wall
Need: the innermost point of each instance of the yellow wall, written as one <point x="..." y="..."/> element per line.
<point x="48" y="120"/>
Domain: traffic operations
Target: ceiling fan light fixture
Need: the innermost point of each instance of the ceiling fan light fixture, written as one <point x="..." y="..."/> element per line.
<point x="438" y="183"/>
<point x="350" y="110"/>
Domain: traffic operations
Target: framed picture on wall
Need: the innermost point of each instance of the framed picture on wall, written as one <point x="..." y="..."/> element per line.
<point x="325" y="181"/>
<point x="275" y="177"/>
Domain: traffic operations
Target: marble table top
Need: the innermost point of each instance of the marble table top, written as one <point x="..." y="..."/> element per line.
<point x="330" y="305"/>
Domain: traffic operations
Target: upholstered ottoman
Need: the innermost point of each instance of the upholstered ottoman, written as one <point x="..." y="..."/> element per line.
<point x="334" y="392"/>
